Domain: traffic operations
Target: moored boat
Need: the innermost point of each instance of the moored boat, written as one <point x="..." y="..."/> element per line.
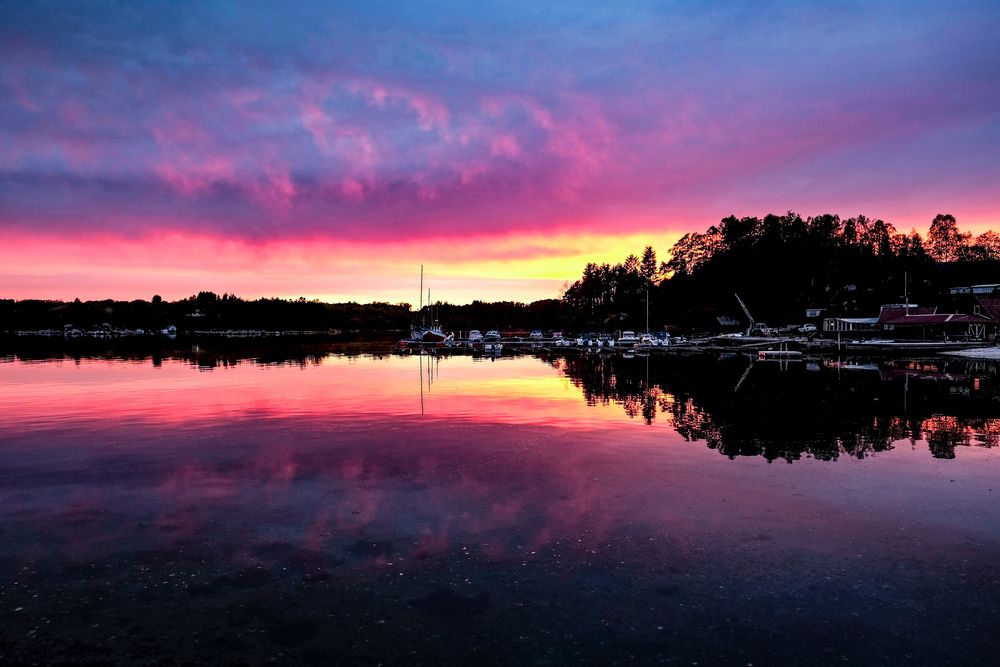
<point x="628" y="338"/>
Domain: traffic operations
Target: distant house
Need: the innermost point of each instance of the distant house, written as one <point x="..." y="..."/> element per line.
<point x="941" y="325"/>
<point x="976" y="289"/>
<point x="886" y="313"/>
<point x="979" y="299"/>
<point x="841" y="324"/>
<point x="917" y="322"/>
<point x="893" y="311"/>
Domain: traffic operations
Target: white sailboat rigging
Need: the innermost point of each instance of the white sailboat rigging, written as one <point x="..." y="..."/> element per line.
<point x="423" y="332"/>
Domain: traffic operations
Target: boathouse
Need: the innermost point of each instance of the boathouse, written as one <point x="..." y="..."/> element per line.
<point x="913" y="322"/>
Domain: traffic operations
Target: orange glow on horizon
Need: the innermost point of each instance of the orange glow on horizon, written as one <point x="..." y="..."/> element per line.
<point x="523" y="265"/>
<point x="519" y="391"/>
<point x="503" y="267"/>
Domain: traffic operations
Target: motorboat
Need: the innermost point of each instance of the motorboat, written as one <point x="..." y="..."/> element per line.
<point x="628" y="338"/>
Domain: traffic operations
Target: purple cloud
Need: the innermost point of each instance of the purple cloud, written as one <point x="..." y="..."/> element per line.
<point x="370" y="121"/>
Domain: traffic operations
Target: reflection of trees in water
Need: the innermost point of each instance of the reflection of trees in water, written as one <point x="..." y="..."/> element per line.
<point x="945" y="433"/>
<point x="218" y="354"/>
<point x="789" y="411"/>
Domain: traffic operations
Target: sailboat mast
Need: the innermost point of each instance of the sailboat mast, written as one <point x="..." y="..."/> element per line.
<point x="647" y="311"/>
<point x="421" y="293"/>
<point x="906" y="294"/>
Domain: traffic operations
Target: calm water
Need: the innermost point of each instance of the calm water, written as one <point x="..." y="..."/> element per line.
<point x="535" y="510"/>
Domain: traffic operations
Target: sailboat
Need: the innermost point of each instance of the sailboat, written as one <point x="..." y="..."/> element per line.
<point x="424" y="333"/>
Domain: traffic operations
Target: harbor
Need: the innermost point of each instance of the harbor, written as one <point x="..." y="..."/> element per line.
<point x="765" y="347"/>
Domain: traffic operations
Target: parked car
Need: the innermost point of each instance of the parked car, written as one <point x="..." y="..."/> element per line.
<point x="807" y="328"/>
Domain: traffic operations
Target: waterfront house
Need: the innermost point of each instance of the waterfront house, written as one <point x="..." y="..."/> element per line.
<point x="913" y="322"/>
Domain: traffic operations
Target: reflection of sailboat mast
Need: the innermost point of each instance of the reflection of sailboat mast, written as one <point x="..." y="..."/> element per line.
<point x="906" y="394"/>
<point x="647" y="326"/>
<point x="647" y="362"/>
<point x="421" y="357"/>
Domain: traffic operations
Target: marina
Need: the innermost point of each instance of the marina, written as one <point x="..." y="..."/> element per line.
<point x="768" y="347"/>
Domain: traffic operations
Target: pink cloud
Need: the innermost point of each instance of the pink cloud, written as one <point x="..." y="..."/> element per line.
<point x="275" y="189"/>
<point x="13" y="78"/>
<point x="505" y="145"/>
<point x="354" y="146"/>
<point x="193" y="175"/>
<point x="74" y="112"/>
<point x="431" y="113"/>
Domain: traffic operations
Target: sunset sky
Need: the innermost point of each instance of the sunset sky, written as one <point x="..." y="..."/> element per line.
<point x="327" y="150"/>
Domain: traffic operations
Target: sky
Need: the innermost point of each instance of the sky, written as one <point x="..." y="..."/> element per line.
<point x="328" y="150"/>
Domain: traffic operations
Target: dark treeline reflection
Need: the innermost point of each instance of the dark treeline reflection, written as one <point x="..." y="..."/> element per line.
<point x="217" y="354"/>
<point x="823" y="409"/>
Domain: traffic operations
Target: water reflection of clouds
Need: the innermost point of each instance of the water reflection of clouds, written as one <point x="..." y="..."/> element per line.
<point x="504" y="493"/>
<point x="779" y="412"/>
<point x="385" y="506"/>
<point x="93" y="392"/>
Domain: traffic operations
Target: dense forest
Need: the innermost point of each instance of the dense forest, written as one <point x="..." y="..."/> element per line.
<point x="781" y="265"/>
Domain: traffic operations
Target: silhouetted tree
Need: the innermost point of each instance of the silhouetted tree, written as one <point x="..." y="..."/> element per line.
<point x="648" y="266"/>
<point x="944" y="242"/>
<point x="986" y="247"/>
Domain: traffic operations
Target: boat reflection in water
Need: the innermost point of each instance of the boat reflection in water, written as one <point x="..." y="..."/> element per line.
<point x="210" y="507"/>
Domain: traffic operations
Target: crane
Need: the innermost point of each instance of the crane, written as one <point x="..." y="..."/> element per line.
<point x="754" y="326"/>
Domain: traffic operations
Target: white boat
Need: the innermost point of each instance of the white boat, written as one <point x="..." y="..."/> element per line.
<point x="647" y="340"/>
<point x="628" y="338"/>
<point x="422" y="333"/>
<point x="431" y="334"/>
<point x="492" y="336"/>
<point x="475" y="337"/>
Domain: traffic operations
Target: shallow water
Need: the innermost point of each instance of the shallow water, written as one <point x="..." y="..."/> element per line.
<point x="537" y="509"/>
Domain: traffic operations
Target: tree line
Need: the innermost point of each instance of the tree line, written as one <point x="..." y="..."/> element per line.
<point x="210" y="311"/>
<point x="781" y="265"/>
